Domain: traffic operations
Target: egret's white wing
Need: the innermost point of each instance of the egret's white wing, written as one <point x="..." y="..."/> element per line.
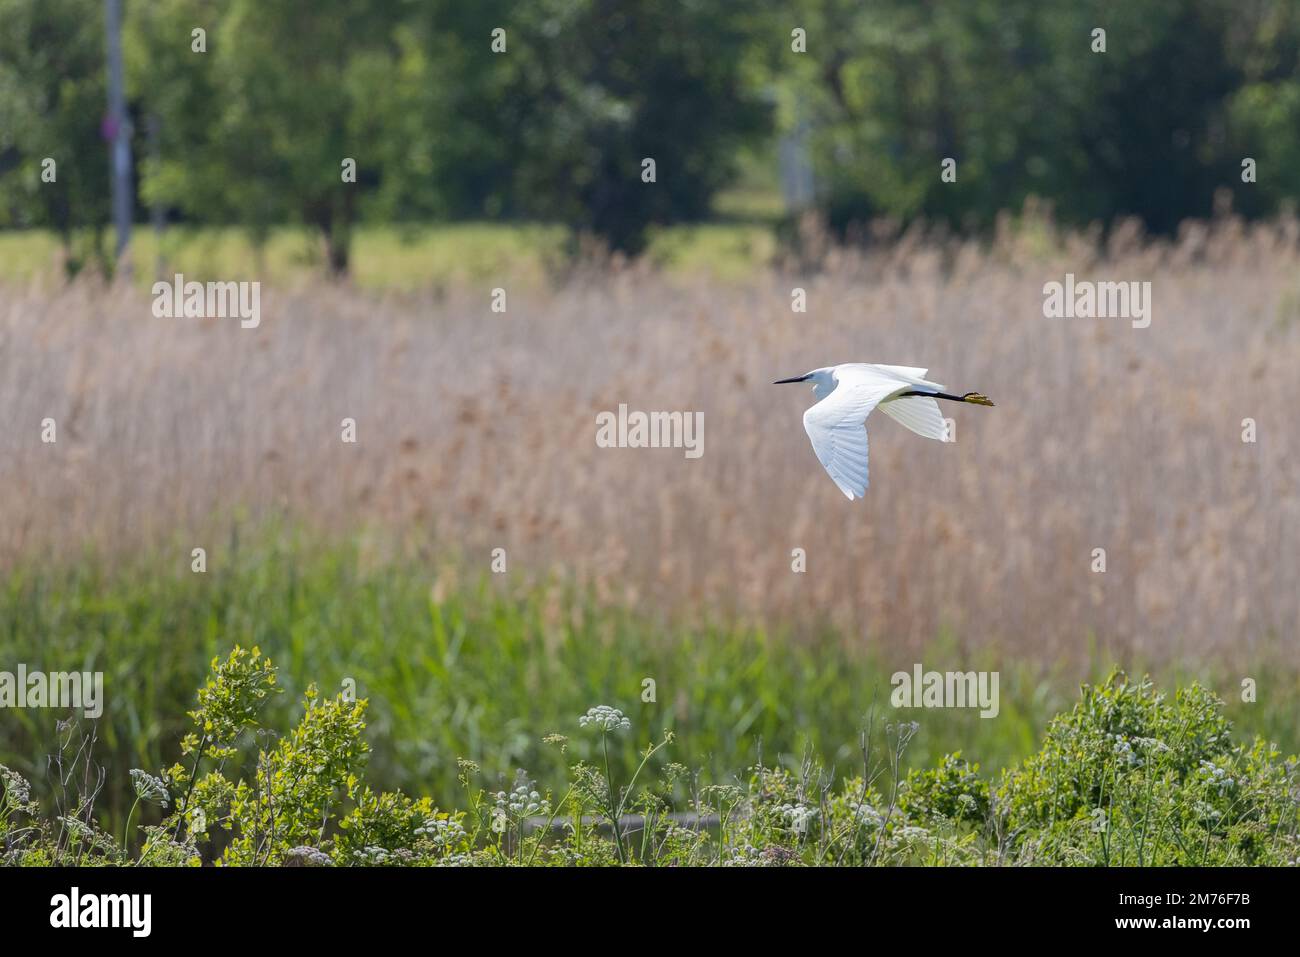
<point x="913" y="375"/>
<point x="918" y="413"/>
<point x="837" y="424"/>
<point x="907" y="372"/>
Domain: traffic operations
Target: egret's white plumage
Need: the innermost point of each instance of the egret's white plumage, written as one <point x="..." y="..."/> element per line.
<point x="846" y="395"/>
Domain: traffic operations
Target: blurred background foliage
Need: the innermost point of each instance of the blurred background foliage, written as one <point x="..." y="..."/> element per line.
<point x="252" y="132"/>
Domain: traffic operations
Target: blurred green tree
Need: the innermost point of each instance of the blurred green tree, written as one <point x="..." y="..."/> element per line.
<point x="597" y="87"/>
<point x="53" y="104"/>
<point x="257" y="128"/>
<point x="1015" y="93"/>
<point x="254" y="128"/>
<point x="1264" y="112"/>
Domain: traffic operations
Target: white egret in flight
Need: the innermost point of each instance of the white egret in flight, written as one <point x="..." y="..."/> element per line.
<point x="846" y="395"/>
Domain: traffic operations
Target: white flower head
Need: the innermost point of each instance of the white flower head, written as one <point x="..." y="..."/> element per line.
<point x="605" y="718"/>
<point x="798" y="816"/>
<point x="522" y="801"/>
<point x="150" y="789"/>
<point x="16" y="788"/>
<point x="442" y="832"/>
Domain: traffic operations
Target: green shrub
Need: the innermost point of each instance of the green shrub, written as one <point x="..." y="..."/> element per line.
<point x="1132" y="777"/>
<point x="952" y="792"/>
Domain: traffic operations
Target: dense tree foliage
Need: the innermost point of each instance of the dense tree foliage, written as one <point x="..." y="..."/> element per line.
<point x="52" y="108"/>
<point x="550" y="108"/>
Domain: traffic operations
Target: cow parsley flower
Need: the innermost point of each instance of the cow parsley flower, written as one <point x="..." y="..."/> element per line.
<point x="442" y="833"/>
<point x="16" y="788"/>
<point x="1153" y="746"/>
<point x="605" y="718"/>
<point x="1125" y="754"/>
<point x="797" y="816"/>
<point x="522" y="801"/>
<point x="373" y="854"/>
<point x="745" y="855"/>
<point x="455" y="860"/>
<point x="1217" y="777"/>
<point x="150" y="789"/>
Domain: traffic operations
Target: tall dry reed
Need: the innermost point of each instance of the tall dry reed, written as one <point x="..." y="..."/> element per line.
<point x="477" y="430"/>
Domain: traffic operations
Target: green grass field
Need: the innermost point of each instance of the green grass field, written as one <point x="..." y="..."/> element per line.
<point x="484" y="669"/>
<point x="393" y="257"/>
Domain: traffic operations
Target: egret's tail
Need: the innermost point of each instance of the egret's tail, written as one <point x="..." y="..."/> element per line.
<point x="975" y="398"/>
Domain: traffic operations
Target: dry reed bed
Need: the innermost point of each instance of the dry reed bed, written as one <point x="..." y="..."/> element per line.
<point x="477" y="430"/>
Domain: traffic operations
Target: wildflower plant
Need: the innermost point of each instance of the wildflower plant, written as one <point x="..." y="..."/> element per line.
<point x="149" y="789"/>
<point x="510" y="814"/>
<point x="607" y="721"/>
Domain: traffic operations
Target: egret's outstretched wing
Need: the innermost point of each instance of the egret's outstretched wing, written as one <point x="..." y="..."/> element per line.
<point x="836" y="424"/>
<point x="919" y="413"/>
<point x="910" y="373"/>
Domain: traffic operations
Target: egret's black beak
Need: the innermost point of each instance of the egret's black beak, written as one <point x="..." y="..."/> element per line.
<point x="799" y="378"/>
